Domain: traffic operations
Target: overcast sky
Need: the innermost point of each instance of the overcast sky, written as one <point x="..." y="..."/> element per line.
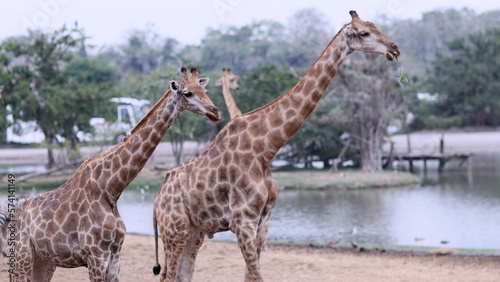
<point x="109" y="22"/>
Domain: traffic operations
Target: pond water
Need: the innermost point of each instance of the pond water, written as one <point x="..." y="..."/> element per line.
<point x="455" y="209"/>
<point x="22" y="168"/>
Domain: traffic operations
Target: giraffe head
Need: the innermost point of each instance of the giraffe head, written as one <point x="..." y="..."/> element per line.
<point x="194" y="95"/>
<point x="231" y="78"/>
<point x="366" y="37"/>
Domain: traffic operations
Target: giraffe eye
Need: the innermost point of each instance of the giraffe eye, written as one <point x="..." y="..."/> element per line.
<point x="188" y="94"/>
<point x="364" y="34"/>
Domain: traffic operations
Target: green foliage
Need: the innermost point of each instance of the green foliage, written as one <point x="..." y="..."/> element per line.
<point x="468" y="80"/>
<point x="242" y="49"/>
<point x="420" y="40"/>
<point x="5" y="78"/>
<point x="50" y="85"/>
<point x="262" y="86"/>
<point x="148" y="85"/>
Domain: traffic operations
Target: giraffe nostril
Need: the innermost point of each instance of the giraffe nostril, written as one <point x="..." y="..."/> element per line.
<point x="214" y="109"/>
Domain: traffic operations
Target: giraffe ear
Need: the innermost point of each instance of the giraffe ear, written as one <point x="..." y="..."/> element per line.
<point x="350" y="30"/>
<point x="218" y="82"/>
<point x="174" y="86"/>
<point x="204" y="82"/>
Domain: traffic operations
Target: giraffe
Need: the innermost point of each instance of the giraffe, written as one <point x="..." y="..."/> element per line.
<point x="78" y="224"/>
<point x="229" y="80"/>
<point x="229" y="186"/>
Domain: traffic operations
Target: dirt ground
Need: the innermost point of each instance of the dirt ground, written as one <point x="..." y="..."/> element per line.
<point x="222" y="261"/>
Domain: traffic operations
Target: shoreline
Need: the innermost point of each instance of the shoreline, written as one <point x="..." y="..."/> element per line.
<point x="365" y="247"/>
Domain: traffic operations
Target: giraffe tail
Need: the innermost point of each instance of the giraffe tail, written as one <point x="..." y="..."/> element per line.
<point x="157" y="267"/>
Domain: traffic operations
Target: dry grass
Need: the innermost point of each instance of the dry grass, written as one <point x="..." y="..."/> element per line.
<point x="343" y="180"/>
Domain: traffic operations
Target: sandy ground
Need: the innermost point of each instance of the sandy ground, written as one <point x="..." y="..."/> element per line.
<point x="222" y="261"/>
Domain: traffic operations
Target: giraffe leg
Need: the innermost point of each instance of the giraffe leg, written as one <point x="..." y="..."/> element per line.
<point x="175" y="237"/>
<point x="113" y="271"/>
<point x="264" y="224"/>
<point x="247" y="241"/>
<point x="50" y="272"/>
<point x="186" y="266"/>
<point x="98" y="265"/>
<point x="265" y="220"/>
<point x="42" y="270"/>
<point x="24" y="257"/>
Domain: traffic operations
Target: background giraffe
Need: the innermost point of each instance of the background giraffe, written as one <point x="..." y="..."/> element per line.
<point x="229" y="186"/>
<point x="229" y="80"/>
<point x="78" y="224"/>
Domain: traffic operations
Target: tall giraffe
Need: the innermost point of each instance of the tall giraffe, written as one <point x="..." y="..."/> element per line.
<point x="78" y="223"/>
<point x="229" y="80"/>
<point x="229" y="186"/>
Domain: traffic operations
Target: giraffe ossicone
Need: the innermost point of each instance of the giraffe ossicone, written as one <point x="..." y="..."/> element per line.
<point x="230" y="186"/>
<point x="78" y="223"/>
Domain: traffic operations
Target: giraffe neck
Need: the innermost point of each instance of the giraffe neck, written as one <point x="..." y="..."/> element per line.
<point x="128" y="158"/>
<point x="230" y="103"/>
<point x="284" y="116"/>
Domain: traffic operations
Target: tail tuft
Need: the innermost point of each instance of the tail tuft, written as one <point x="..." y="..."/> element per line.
<point x="156" y="269"/>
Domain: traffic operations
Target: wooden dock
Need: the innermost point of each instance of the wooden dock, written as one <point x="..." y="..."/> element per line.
<point x="441" y="158"/>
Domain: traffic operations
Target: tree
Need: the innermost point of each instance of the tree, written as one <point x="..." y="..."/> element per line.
<point x="5" y="85"/>
<point x="430" y="34"/>
<point x="140" y="54"/>
<point x="242" y="49"/>
<point x="308" y="32"/>
<point x="86" y="89"/>
<point x="468" y="80"/>
<point x="48" y="87"/>
<point x="369" y="97"/>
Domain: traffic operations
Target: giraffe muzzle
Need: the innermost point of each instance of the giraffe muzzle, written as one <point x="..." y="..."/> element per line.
<point x="214" y="114"/>
<point x="393" y="53"/>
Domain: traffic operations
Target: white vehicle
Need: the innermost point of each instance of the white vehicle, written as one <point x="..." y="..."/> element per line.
<point x="128" y="110"/>
<point x="23" y="132"/>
